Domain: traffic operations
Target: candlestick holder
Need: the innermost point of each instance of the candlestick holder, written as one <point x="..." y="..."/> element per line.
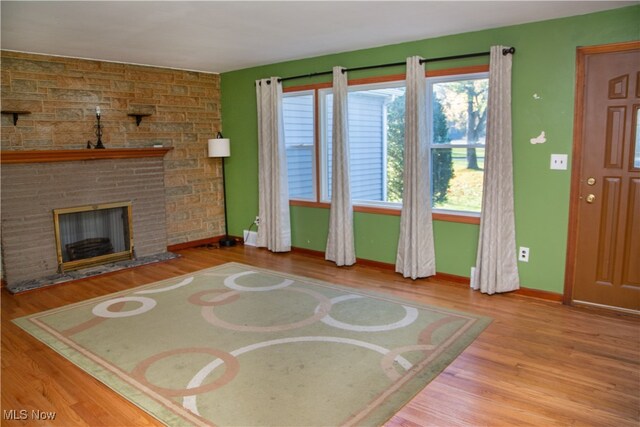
<point x="99" y="133"/>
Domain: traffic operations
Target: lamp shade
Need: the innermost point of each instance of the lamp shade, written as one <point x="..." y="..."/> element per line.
<point x="219" y="147"/>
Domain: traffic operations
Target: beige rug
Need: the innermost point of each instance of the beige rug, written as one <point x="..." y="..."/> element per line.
<point x="237" y="345"/>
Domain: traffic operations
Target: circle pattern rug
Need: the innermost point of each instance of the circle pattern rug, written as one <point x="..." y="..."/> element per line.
<point x="237" y="345"/>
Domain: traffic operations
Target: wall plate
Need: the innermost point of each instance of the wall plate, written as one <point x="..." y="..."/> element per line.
<point x="559" y="161"/>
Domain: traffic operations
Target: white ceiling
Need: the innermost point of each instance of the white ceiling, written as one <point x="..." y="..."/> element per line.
<point x="219" y="36"/>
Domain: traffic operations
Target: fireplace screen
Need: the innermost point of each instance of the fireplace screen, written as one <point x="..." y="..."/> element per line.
<point x="92" y="235"/>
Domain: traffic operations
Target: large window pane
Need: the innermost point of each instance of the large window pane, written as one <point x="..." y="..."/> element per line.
<point x="455" y="186"/>
<point x="458" y="125"/>
<point x="299" y="141"/>
<point x="464" y="105"/>
<point x="376" y="138"/>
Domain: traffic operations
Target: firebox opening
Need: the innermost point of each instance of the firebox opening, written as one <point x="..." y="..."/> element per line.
<point x="93" y="235"/>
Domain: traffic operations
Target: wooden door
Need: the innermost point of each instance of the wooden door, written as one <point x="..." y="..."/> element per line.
<point x="604" y="247"/>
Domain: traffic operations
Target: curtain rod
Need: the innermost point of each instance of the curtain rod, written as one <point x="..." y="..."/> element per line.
<point x="505" y="51"/>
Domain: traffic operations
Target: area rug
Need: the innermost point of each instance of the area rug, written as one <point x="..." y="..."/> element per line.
<point x="237" y="345"/>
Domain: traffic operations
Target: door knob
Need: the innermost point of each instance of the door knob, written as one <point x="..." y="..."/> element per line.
<point x="591" y="198"/>
<point x="591" y="181"/>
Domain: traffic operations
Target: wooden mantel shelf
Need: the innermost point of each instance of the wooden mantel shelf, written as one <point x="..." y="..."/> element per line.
<point x="47" y="156"/>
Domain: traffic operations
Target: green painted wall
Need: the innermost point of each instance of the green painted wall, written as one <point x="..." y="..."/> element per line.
<point x="544" y="64"/>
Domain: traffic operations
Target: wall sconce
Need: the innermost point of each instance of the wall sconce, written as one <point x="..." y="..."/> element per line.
<point x="220" y="147"/>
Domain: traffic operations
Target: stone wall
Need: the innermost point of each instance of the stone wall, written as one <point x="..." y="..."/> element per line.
<point x="62" y="95"/>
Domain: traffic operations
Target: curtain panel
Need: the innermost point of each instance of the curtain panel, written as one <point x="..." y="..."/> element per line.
<point x="496" y="262"/>
<point x="416" y="255"/>
<point x="340" y="241"/>
<point x="274" y="231"/>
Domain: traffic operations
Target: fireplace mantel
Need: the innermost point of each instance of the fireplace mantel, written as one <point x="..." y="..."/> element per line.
<point x="48" y="156"/>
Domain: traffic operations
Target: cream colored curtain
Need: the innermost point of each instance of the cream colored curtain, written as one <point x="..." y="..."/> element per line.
<point x="340" y="243"/>
<point x="496" y="263"/>
<point x="274" y="231"/>
<point x="416" y="255"/>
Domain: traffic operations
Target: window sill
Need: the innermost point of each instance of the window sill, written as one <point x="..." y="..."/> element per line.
<point x="437" y="216"/>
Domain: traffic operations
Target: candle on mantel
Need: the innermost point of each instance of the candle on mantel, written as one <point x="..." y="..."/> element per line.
<point x="98" y="111"/>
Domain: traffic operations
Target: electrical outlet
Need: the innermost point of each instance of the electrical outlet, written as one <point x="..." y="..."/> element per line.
<point x="257" y="221"/>
<point x="523" y="254"/>
<point x="559" y="161"/>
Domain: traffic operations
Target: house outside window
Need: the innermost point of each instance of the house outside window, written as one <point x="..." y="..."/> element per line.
<point x="299" y="137"/>
<point x="368" y="119"/>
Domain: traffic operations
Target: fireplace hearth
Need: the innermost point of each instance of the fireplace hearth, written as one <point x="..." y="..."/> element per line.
<point x="84" y="273"/>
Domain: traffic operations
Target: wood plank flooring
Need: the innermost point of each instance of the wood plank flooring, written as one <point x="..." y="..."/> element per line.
<point x="539" y="363"/>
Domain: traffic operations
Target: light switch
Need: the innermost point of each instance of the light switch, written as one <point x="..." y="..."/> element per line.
<point x="559" y="161"/>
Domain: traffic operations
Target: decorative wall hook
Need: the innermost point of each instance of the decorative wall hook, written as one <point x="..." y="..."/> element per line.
<point x="15" y="114"/>
<point x="139" y="117"/>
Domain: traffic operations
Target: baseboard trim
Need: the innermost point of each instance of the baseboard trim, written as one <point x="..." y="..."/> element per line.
<point x="195" y="243"/>
<point x="361" y="261"/>
<point x="461" y="280"/>
<point x="305" y="251"/>
<point x="539" y="294"/>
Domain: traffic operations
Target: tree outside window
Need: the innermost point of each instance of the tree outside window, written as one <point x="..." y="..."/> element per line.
<point x="443" y="170"/>
<point x="463" y="100"/>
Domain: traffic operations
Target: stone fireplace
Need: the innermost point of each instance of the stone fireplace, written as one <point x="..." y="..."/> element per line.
<point x="35" y="185"/>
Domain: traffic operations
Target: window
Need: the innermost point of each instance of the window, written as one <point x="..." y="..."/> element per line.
<point x="458" y="129"/>
<point x="374" y="111"/>
<point x="457" y="109"/>
<point x="298" y="114"/>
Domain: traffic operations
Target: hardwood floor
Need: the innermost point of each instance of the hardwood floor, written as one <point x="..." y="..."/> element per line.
<point x="539" y="363"/>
